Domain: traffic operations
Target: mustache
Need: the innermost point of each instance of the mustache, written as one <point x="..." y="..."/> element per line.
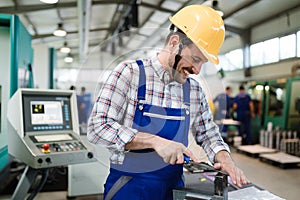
<point x="188" y="69"/>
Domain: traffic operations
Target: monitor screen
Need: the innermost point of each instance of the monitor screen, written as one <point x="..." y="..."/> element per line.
<point x="47" y="112"/>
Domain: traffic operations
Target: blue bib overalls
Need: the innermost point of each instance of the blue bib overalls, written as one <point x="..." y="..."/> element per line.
<point x="152" y="178"/>
<point x="244" y="116"/>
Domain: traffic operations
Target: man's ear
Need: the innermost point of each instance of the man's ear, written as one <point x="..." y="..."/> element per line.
<point x="174" y="41"/>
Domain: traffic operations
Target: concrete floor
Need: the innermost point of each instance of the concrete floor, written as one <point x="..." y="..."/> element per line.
<point x="283" y="182"/>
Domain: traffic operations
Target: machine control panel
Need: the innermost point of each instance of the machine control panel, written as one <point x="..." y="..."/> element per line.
<point x="57" y="143"/>
<point x="61" y="147"/>
<point x="46" y="132"/>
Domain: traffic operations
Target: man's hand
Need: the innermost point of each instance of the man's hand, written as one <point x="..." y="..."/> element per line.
<point x="225" y="163"/>
<point x="172" y="152"/>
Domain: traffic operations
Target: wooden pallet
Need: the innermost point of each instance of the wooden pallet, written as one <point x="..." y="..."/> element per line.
<point x="255" y="150"/>
<point x="281" y="160"/>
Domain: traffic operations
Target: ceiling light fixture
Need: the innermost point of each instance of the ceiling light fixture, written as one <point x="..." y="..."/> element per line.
<point x="68" y="59"/>
<point x="49" y="1"/>
<point x="65" y="48"/>
<point x="60" y="32"/>
<point x="215" y="5"/>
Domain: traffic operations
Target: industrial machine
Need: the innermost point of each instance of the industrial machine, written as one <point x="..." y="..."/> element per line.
<point x="210" y="190"/>
<point x="280" y="103"/>
<point x="43" y="132"/>
<point x="276" y="102"/>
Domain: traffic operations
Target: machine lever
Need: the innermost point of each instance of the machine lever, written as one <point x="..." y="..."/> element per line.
<point x="194" y="167"/>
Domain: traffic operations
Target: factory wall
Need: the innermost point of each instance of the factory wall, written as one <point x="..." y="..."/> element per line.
<point x="282" y="25"/>
<point x="279" y="26"/>
<point x="4" y="81"/>
<point x="40" y="66"/>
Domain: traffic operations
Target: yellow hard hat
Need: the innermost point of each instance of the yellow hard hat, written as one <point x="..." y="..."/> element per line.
<point x="204" y="26"/>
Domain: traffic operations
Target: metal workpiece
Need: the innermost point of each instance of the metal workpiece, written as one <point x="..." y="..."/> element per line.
<point x="221" y="186"/>
<point x="206" y="189"/>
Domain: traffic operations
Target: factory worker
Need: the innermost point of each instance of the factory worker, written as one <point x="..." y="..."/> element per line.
<point x="146" y="108"/>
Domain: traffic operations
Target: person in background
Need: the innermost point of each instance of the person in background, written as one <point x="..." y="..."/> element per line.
<point x="84" y="107"/>
<point x="146" y="108"/>
<point x="244" y="108"/>
<point x="224" y="103"/>
<point x="72" y="87"/>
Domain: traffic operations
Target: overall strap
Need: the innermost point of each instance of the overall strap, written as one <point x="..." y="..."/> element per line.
<point x="186" y="92"/>
<point x="117" y="186"/>
<point x="142" y="81"/>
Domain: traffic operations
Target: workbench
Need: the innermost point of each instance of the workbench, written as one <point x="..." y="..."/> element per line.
<point x="201" y="186"/>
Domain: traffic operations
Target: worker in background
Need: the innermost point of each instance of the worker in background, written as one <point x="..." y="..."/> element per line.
<point x="244" y="108"/>
<point x="146" y="108"/>
<point x="72" y="87"/>
<point x="84" y="108"/>
<point x="224" y="104"/>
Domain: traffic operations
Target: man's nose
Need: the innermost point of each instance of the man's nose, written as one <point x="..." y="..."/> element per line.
<point x="197" y="69"/>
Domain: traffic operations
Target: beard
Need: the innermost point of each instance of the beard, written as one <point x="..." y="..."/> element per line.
<point x="176" y="75"/>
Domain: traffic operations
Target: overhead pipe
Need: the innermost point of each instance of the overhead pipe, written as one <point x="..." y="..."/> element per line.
<point x="84" y="14"/>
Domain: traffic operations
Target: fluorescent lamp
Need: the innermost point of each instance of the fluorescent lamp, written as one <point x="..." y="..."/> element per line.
<point x="68" y="59"/>
<point x="215" y="5"/>
<point x="60" y="32"/>
<point x="49" y="1"/>
<point x="220" y="13"/>
<point x="259" y="87"/>
<point x="65" y="48"/>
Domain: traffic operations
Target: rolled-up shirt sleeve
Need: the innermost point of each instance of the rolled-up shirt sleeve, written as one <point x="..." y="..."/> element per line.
<point x="207" y="132"/>
<point x="105" y="124"/>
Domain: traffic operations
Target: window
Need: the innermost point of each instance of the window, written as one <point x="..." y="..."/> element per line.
<point x="288" y="46"/>
<point x="236" y="58"/>
<point x="224" y="64"/>
<point x="298" y="43"/>
<point x="257" y="54"/>
<point x="232" y="60"/>
<point x="268" y="51"/>
<point x="271" y="50"/>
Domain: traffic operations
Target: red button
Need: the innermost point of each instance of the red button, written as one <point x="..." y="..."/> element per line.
<point x="46" y="147"/>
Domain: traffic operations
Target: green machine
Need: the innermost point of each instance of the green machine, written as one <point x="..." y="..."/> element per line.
<point x="258" y="94"/>
<point x="282" y="103"/>
<point x="15" y="69"/>
<point x="277" y="101"/>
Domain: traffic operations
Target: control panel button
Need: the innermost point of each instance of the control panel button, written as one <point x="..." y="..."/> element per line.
<point x="46" y="148"/>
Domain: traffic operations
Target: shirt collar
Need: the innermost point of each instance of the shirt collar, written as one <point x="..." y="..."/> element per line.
<point x="161" y="72"/>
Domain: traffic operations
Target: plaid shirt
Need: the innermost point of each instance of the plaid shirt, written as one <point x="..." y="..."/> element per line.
<point x="112" y="116"/>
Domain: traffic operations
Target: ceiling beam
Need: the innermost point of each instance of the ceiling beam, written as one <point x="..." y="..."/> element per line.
<point x="243" y="6"/>
<point x="39" y="7"/>
<point x="289" y="10"/>
<point x="234" y="30"/>
<point x="84" y="13"/>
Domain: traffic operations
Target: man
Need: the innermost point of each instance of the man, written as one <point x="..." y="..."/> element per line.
<point x="84" y="105"/>
<point x="146" y="108"/>
<point x="244" y="108"/>
<point x="224" y="104"/>
<point x="84" y="109"/>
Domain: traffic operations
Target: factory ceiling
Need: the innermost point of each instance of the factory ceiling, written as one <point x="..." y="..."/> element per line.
<point x="90" y="22"/>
